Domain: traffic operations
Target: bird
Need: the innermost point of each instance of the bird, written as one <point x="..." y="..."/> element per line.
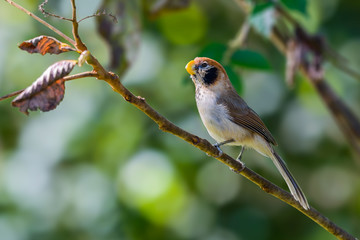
<point x="229" y="120"/>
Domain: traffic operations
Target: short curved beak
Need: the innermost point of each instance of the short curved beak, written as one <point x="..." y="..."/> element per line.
<point x="190" y="67"/>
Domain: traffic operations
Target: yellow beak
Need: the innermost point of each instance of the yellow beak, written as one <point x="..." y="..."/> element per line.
<point x="190" y="67"/>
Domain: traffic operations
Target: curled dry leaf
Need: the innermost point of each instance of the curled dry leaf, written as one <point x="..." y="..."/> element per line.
<point x="45" y="44"/>
<point x="47" y="91"/>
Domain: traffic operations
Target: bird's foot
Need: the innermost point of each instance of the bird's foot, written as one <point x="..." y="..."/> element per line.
<point x="239" y="168"/>
<point x="240" y="154"/>
<point x="217" y="145"/>
<point x="238" y="159"/>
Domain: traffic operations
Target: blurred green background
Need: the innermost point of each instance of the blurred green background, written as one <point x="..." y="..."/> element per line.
<point x="98" y="168"/>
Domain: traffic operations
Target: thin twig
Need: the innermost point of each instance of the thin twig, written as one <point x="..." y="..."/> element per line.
<point x="11" y="94"/>
<point x="42" y="9"/>
<point x="81" y="75"/>
<point x="66" y="78"/>
<point x="98" y="14"/>
<point x="78" y="43"/>
<point x="41" y="21"/>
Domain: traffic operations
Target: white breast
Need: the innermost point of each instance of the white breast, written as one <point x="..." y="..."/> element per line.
<point x="216" y="119"/>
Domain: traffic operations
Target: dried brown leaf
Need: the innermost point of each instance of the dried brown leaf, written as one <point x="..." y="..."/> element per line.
<point x="45" y="44"/>
<point x="47" y="91"/>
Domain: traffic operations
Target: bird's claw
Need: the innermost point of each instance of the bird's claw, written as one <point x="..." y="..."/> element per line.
<point x="238" y="170"/>
<point x="219" y="149"/>
<point x="238" y="159"/>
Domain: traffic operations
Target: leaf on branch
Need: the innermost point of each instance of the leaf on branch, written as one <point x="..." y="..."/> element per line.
<point x="250" y="59"/>
<point x="263" y="18"/>
<point x="45" y="44"/>
<point x="297" y="5"/>
<point x="47" y="91"/>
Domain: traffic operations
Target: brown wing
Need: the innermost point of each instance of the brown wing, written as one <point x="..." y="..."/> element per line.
<point x="244" y="116"/>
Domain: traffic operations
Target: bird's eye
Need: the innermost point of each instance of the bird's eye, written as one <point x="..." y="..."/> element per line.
<point x="204" y="65"/>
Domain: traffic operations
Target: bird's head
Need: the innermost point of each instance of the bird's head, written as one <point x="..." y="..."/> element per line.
<point x="206" y="72"/>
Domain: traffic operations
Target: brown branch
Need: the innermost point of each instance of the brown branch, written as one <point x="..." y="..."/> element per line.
<point x="202" y="144"/>
<point x="11" y="94"/>
<point x="41" y="21"/>
<point x="78" y="43"/>
<point x="81" y="75"/>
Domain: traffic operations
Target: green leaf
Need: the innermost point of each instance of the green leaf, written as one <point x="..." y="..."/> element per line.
<point x="235" y="79"/>
<point x="260" y="7"/>
<point x="297" y="5"/>
<point x="183" y="27"/>
<point x="250" y="59"/>
<point x="214" y="51"/>
<point x="263" y="18"/>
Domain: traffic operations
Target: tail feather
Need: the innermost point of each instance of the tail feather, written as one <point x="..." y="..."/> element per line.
<point x="290" y="180"/>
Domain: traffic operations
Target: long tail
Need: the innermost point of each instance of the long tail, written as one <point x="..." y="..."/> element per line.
<point x="290" y="180"/>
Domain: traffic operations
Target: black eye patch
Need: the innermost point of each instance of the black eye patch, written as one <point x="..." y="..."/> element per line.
<point x="210" y="75"/>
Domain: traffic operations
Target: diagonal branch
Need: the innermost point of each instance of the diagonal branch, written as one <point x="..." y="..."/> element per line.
<point x="202" y="144"/>
<point x="11" y="94"/>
